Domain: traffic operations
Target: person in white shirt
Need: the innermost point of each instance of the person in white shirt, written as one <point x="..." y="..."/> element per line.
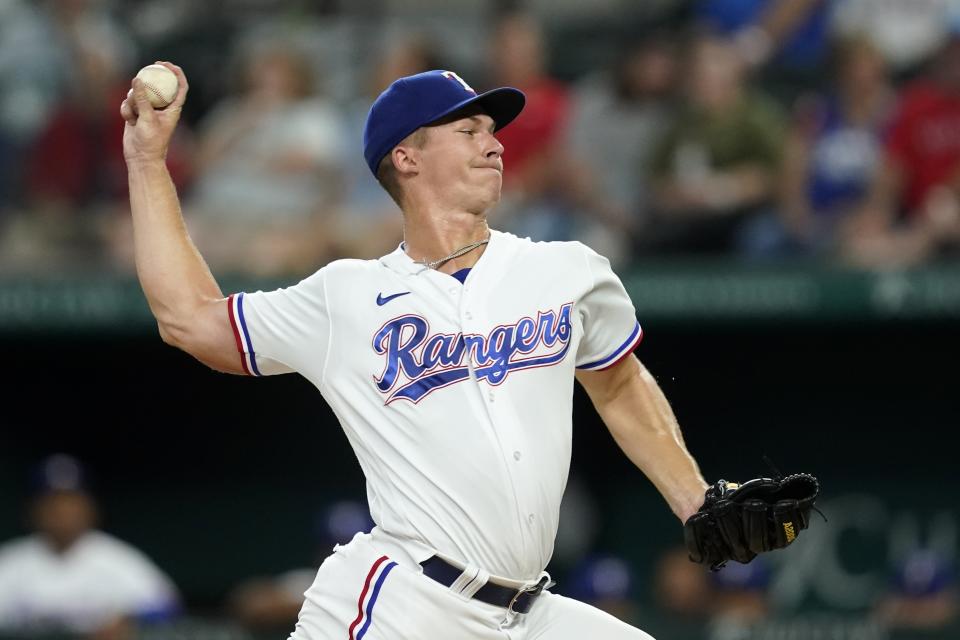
<point x="450" y="364"/>
<point x="68" y="576"/>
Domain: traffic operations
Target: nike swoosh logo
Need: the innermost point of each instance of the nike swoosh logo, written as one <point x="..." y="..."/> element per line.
<point x="381" y="300"/>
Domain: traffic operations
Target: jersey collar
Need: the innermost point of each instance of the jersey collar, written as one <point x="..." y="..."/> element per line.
<point x="399" y="261"/>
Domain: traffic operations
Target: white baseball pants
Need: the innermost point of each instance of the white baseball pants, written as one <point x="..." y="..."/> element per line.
<point x="362" y="593"/>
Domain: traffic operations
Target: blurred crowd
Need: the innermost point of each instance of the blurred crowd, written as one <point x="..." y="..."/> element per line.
<point x="68" y="578"/>
<point x="754" y="129"/>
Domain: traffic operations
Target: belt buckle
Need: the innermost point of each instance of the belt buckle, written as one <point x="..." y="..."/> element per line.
<point x="533" y="589"/>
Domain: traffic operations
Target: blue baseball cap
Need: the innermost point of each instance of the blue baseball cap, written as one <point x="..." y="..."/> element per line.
<point x="601" y="578"/>
<point x="414" y="101"/>
<point x="59" y="472"/>
<point x="338" y="522"/>
<point x="923" y="573"/>
<point x="735" y="576"/>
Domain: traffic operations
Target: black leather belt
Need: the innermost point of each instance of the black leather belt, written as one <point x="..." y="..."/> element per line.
<point x="515" y="600"/>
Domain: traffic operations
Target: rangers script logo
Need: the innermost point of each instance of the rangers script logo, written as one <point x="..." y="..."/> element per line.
<point x="417" y="362"/>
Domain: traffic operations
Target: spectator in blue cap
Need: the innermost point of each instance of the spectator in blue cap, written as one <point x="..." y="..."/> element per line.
<point x="272" y="603"/>
<point x="740" y="593"/>
<point x="68" y="577"/>
<point x="606" y="582"/>
<point x="923" y="593"/>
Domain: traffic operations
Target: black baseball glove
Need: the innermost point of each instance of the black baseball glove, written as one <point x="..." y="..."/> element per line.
<point x="736" y="522"/>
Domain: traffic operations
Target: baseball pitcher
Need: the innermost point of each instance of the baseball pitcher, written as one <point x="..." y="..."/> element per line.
<point x="450" y="364"/>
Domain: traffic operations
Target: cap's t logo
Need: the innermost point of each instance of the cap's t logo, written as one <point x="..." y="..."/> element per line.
<point x="453" y="76"/>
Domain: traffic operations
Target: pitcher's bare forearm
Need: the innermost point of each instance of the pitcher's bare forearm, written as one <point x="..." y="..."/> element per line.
<point x="643" y="424"/>
<point x="174" y="277"/>
<point x="641" y="421"/>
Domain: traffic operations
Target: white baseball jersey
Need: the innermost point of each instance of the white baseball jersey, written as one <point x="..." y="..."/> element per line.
<point x="456" y="398"/>
<point x="96" y="580"/>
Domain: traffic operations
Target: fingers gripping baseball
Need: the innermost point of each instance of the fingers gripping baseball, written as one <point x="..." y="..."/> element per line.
<point x="148" y="130"/>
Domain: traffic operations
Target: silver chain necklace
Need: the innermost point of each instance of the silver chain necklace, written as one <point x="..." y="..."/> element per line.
<point x="456" y="254"/>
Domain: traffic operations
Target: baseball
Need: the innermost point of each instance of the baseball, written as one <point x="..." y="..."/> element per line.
<point x="161" y="84"/>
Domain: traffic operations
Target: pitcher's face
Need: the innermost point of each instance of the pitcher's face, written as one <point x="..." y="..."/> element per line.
<point x="462" y="162"/>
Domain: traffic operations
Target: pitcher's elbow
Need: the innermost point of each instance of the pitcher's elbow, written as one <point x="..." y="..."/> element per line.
<point x="172" y="335"/>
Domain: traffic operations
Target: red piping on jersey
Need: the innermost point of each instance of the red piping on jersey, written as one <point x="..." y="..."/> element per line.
<point x="363" y="594"/>
<point x="236" y="335"/>
<point x="630" y="350"/>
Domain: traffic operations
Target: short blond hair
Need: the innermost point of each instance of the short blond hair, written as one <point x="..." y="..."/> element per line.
<point x="387" y="174"/>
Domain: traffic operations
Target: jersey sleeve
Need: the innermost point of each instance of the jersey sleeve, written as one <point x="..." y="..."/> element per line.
<point x="282" y="331"/>
<point x="610" y="328"/>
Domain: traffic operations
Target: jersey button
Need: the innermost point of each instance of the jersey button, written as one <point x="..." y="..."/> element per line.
<point x="530" y="518"/>
<point x="468" y="315"/>
<point x="517" y="455"/>
<point x="490" y="395"/>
